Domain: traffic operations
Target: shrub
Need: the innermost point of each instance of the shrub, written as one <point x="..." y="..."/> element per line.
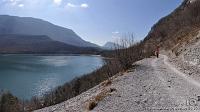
<point x="92" y="105"/>
<point x="9" y="103"/>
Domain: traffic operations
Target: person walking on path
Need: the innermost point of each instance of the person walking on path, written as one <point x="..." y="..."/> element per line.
<point x="157" y="51"/>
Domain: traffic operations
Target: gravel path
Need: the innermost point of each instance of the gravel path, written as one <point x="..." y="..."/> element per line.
<point x="154" y="86"/>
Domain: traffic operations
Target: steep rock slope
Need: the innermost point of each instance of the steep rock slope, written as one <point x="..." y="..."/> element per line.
<point x="178" y="28"/>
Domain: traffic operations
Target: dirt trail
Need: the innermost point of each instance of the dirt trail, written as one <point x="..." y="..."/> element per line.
<point x="181" y="74"/>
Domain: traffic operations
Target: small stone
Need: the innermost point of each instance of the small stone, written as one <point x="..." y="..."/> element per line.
<point x="112" y="90"/>
<point x="198" y="98"/>
<point x="138" y="102"/>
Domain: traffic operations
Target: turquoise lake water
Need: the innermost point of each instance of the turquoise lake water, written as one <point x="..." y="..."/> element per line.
<point x="26" y="76"/>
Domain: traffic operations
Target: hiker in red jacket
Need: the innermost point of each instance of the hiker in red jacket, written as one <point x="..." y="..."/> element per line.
<point x="157" y="51"/>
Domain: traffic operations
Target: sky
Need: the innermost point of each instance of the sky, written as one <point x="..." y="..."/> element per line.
<point x="97" y="21"/>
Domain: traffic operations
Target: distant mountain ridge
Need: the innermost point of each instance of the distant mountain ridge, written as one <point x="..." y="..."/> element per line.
<point x="12" y="43"/>
<point x="111" y="46"/>
<point x="32" y="26"/>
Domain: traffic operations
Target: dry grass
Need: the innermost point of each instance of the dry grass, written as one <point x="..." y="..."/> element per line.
<point x="92" y="105"/>
<point x="106" y="83"/>
<point x="99" y="97"/>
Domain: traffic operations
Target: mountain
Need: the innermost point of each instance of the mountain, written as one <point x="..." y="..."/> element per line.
<point x="12" y="43"/>
<point x="175" y="31"/>
<point x="32" y="26"/>
<point x="111" y="46"/>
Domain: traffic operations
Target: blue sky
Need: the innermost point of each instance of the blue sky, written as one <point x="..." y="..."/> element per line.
<point x="97" y="21"/>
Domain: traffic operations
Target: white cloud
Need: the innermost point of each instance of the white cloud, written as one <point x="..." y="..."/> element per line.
<point x="14" y="2"/>
<point x="84" y="5"/>
<point x="18" y="3"/>
<point x="116" y="32"/>
<point x="21" y="5"/>
<point x="57" y="2"/>
<point x="71" y="5"/>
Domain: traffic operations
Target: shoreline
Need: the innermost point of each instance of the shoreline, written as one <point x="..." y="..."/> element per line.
<point x="33" y="54"/>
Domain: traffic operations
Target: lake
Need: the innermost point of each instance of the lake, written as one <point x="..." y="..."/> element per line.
<point x="28" y="75"/>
